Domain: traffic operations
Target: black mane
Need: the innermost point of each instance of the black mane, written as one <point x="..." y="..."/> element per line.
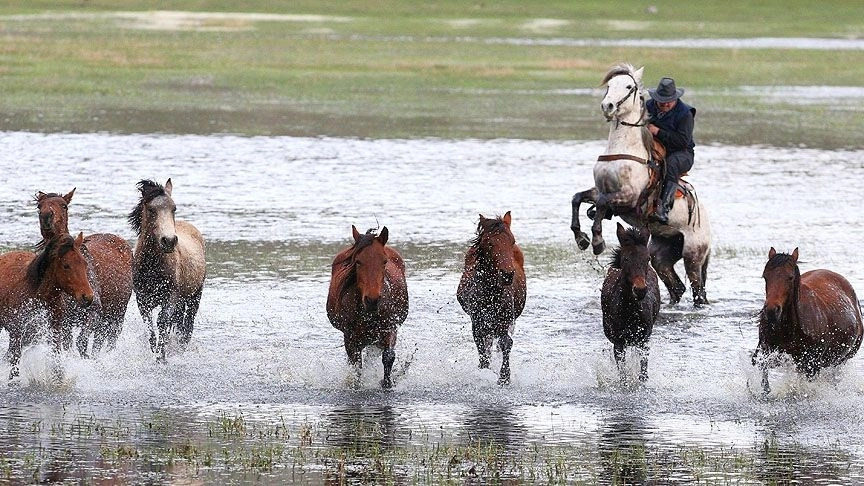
<point x="633" y="236"/>
<point x="350" y="260"/>
<point x="37" y="268"/>
<point x="149" y="191"/>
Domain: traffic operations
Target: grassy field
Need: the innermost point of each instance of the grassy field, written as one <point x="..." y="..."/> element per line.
<point x="396" y="69"/>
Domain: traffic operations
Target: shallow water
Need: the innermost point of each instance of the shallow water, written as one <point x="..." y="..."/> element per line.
<point x="275" y="211"/>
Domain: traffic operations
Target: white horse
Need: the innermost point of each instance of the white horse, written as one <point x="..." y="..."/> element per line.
<point x="627" y="183"/>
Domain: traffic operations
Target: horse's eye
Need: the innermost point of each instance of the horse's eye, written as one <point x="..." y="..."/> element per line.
<point x="66" y="266"/>
<point x="174" y="209"/>
<point x="64" y="206"/>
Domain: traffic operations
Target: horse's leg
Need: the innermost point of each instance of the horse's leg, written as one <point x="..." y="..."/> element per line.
<point x="696" y="265"/>
<point x="147" y="316"/>
<point x="643" y="363"/>
<point x="763" y="366"/>
<point x="83" y="341"/>
<point x="164" y="321"/>
<point x="618" y="352"/>
<point x="14" y="351"/>
<point x="505" y="342"/>
<point x="665" y="252"/>
<point x="189" y="319"/>
<point x="585" y="196"/>
<point x="597" y="243"/>
<point x="388" y="357"/>
<point x="483" y="341"/>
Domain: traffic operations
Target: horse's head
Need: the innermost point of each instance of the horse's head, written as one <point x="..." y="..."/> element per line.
<point x="633" y="258"/>
<point x="63" y="266"/>
<point x="494" y="245"/>
<point x="369" y="259"/>
<point x="623" y="94"/>
<point x="53" y="214"/>
<point x="153" y="217"/>
<point x="782" y="279"/>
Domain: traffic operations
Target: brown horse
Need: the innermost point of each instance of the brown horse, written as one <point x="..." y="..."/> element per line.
<point x="492" y="289"/>
<point x="109" y="262"/>
<point x="30" y="282"/>
<point x="630" y="297"/>
<point x="169" y="269"/>
<point x="368" y="297"/>
<point x="814" y="317"/>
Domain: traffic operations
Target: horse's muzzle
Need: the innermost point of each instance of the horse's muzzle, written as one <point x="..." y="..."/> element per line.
<point x="45" y="220"/>
<point x="773" y="314"/>
<point x="507" y="278"/>
<point x="168" y="243"/>
<point x="640" y="288"/>
<point x="85" y="300"/>
<point x="371" y="305"/>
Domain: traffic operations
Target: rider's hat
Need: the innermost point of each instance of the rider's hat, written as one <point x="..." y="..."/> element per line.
<point x="666" y="91"/>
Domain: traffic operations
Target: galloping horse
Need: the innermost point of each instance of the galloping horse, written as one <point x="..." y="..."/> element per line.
<point x="630" y="297"/>
<point x="814" y="317"/>
<point x="627" y="183"/>
<point x="492" y="289"/>
<point x="109" y="262"/>
<point x="168" y="270"/>
<point x="30" y="282"/>
<point x="368" y="298"/>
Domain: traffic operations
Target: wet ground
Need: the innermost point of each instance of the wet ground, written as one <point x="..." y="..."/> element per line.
<point x="264" y="359"/>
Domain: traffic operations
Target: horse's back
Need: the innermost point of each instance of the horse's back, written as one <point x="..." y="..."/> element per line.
<point x="13" y="275"/>
<point x="112" y="257"/>
<point x="827" y="300"/>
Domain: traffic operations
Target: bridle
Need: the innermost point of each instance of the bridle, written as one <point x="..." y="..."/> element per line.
<point x="634" y="91"/>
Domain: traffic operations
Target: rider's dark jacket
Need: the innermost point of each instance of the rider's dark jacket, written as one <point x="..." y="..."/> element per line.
<point x="676" y="125"/>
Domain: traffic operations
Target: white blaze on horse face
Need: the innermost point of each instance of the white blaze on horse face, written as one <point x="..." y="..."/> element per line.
<point x="160" y="217"/>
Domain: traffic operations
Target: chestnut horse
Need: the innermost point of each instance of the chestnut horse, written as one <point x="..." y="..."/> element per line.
<point x="630" y="297"/>
<point x="30" y="282"/>
<point x="492" y="289"/>
<point x="814" y="317"/>
<point x="368" y="297"/>
<point x="168" y="269"/>
<point x="109" y="262"/>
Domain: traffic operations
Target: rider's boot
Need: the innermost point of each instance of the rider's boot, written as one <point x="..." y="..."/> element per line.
<point x="667" y="199"/>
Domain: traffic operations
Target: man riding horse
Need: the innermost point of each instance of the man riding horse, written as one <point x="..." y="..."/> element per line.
<point x="671" y="122"/>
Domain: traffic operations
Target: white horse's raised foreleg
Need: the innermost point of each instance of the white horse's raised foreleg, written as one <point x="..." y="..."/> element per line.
<point x="589" y="195"/>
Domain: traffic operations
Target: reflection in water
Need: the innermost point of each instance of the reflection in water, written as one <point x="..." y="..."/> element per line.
<point x="623" y="445"/>
<point x="366" y="434"/>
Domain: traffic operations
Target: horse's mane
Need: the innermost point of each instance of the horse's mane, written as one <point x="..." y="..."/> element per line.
<point x="349" y="260"/>
<point x="487" y="226"/>
<point x="36" y="269"/>
<point x="633" y="236"/>
<point x="149" y="191"/>
<point x="36" y="198"/>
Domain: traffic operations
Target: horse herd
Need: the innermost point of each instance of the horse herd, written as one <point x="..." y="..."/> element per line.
<point x="87" y="282"/>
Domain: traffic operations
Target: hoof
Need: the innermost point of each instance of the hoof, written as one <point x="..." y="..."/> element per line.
<point x="582" y="241"/>
<point x="598" y="248"/>
<point x="503" y="380"/>
<point x="387" y="383"/>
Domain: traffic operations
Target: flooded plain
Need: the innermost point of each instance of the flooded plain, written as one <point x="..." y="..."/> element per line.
<point x="264" y="390"/>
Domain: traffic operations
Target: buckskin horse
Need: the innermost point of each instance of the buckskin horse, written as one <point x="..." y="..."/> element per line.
<point x="492" y="289"/>
<point x="630" y="297"/>
<point x="30" y="282"/>
<point x="627" y="184"/>
<point x="812" y="317"/>
<point x="368" y="298"/>
<point x="109" y="263"/>
<point x="169" y="269"/>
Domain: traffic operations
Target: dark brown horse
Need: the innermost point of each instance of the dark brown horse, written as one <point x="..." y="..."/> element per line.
<point x="630" y="297"/>
<point x="168" y="269"/>
<point x="368" y="297"/>
<point x="109" y="262"/>
<point x="814" y="317"/>
<point x="492" y="289"/>
<point x="30" y="282"/>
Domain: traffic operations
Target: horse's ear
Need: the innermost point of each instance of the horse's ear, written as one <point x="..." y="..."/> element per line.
<point x="620" y="231"/>
<point x="771" y="253"/>
<point x="482" y="218"/>
<point x="40" y="196"/>
<point x="355" y="233"/>
<point x="168" y="187"/>
<point x="382" y="237"/>
<point x="80" y="240"/>
<point x="507" y="218"/>
<point x="795" y="255"/>
<point x="68" y="197"/>
<point x="637" y="75"/>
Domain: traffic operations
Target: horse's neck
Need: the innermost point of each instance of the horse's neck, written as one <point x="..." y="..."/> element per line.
<point x="625" y="139"/>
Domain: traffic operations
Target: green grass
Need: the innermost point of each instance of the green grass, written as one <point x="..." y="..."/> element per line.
<point x="396" y="69"/>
